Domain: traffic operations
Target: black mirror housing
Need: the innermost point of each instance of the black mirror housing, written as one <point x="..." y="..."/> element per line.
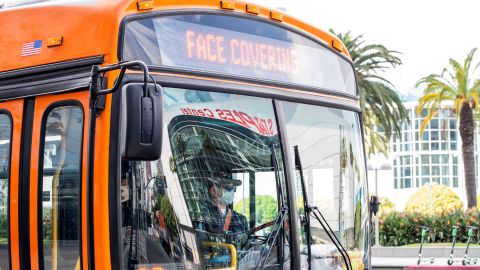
<point x="143" y="123"/>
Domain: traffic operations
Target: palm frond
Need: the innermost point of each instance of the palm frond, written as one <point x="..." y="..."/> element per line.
<point x="380" y="104"/>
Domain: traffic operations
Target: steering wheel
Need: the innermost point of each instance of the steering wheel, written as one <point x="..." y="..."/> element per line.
<point x="256" y="240"/>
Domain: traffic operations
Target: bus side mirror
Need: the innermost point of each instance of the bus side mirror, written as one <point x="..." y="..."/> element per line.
<point x="374" y="204"/>
<point x="143" y="121"/>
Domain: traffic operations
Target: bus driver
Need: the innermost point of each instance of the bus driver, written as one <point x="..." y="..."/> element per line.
<point x="223" y="218"/>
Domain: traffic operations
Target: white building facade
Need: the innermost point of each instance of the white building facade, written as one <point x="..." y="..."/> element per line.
<point x="416" y="159"/>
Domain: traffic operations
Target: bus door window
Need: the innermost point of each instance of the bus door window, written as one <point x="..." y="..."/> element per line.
<point x="5" y="141"/>
<point x="60" y="187"/>
<point x="330" y="150"/>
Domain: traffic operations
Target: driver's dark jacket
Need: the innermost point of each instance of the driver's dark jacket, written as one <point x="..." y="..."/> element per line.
<point x="213" y="221"/>
<point x="210" y="229"/>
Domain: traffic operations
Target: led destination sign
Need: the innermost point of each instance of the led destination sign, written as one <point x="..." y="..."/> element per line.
<point x="236" y="46"/>
<point x="240" y="52"/>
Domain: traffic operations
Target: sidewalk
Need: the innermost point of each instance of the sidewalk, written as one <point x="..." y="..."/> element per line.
<point x="400" y="257"/>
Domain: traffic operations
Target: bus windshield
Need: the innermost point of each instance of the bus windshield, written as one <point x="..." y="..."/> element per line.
<point x="236" y="46"/>
<point x="217" y="198"/>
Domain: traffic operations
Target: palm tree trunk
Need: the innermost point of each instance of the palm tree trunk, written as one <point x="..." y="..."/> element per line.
<point x="466" y="133"/>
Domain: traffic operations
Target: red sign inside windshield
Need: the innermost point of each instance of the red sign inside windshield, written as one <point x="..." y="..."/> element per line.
<point x="263" y="126"/>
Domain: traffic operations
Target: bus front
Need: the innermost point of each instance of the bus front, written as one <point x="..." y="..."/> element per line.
<point x="262" y="162"/>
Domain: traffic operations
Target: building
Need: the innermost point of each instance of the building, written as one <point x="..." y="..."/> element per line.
<point x="416" y="159"/>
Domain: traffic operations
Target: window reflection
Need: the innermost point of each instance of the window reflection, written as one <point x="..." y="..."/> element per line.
<point x="330" y="150"/>
<point x="217" y="193"/>
<point x="62" y="144"/>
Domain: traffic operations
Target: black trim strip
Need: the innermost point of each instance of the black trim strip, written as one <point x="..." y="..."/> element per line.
<point x="9" y="178"/>
<point x="47" y="79"/>
<point x="290" y="182"/>
<point x="369" y="226"/>
<point x="50" y="67"/>
<point x="90" y="173"/>
<point x="210" y="74"/>
<point x="290" y="28"/>
<point x="249" y="90"/>
<point x="46" y="113"/>
<point x="24" y="183"/>
<point x="114" y="174"/>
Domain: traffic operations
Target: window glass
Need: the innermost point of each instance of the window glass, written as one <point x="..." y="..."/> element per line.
<point x="425" y="181"/>
<point x="330" y="153"/>
<point x="60" y="183"/>
<point x="5" y="140"/>
<point x="216" y="195"/>
<point x="408" y="182"/>
<point x="455" y="182"/>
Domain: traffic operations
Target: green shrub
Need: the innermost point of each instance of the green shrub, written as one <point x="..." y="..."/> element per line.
<point x="433" y="199"/>
<point x="397" y="229"/>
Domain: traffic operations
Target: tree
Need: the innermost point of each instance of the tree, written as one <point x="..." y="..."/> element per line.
<point x="381" y="107"/>
<point x="265" y="208"/>
<point x="458" y="84"/>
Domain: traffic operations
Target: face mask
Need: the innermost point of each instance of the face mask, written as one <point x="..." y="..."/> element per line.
<point x="227" y="197"/>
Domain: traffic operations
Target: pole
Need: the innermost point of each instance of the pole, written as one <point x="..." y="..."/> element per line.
<point x="377" y="228"/>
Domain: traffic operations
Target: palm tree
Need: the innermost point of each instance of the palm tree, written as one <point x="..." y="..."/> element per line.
<point x="459" y="85"/>
<point x="382" y="109"/>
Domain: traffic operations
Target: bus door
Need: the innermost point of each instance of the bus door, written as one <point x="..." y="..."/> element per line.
<point x="57" y="204"/>
<point x="10" y="133"/>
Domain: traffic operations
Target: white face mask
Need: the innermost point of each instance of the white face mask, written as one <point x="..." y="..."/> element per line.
<point x="227" y="197"/>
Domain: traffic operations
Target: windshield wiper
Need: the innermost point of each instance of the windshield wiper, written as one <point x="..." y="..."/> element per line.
<point x="272" y="238"/>
<point x="298" y="165"/>
<point x="280" y="220"/>
<point x="316" y="213"/>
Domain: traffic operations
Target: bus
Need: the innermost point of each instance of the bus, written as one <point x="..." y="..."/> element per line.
<point x="187" y="134"/>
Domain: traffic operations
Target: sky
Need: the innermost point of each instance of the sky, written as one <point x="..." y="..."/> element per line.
<point x="426" y="32"/>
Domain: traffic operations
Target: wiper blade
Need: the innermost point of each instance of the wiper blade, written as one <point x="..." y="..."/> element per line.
<point x="272" y="238"/>
<point x="331" y="235"/>
<point x="298" y="166"/>
<point x="311" y="209"/>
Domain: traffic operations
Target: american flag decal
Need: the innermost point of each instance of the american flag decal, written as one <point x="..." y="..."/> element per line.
<point x="31" y="48"/>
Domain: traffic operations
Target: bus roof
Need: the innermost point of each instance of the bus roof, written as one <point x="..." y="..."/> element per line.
<point x="91" y="27"/>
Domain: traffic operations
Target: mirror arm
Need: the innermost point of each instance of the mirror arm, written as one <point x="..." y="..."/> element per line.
<point x="96" y="84"/>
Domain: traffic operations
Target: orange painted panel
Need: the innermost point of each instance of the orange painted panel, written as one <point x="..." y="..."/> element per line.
<point x="100" y="187"/>
<point x="91" y="27"/>
<point x="15" y="108"/>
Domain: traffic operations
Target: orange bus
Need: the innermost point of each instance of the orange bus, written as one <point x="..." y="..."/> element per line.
<point x="188" y="134"/>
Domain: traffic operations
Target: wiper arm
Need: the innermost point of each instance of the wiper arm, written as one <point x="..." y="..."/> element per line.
<point x="272" y="238"/>
<point x="314" y="210"/>
<point x="280" y="217"/>
<point x="311" y="209"/>
<point x="298" y="165"/>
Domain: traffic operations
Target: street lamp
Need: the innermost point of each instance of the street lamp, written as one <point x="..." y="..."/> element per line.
<point x="376" y="166"/>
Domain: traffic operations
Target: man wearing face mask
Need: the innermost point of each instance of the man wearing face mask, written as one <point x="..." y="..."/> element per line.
<point x="223" y="218"/>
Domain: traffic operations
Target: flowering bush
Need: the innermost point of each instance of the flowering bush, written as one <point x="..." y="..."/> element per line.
<point x="386" y="206"/>
<point x="397" y="229"/>
<point x="433" y="199"/>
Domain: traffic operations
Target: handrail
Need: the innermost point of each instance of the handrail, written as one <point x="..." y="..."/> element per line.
<point x="233" y="252"/>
